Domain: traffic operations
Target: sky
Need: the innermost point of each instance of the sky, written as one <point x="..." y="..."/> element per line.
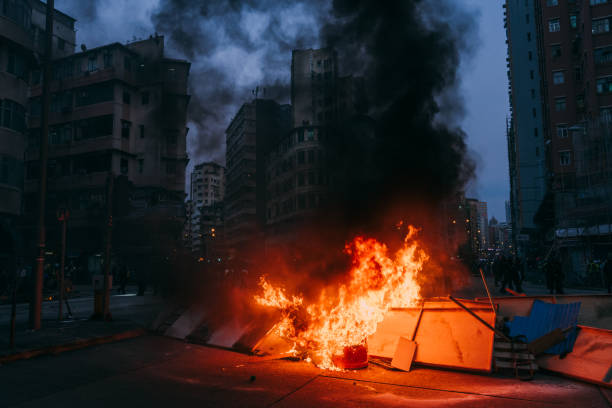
<point x="483" y="81"/>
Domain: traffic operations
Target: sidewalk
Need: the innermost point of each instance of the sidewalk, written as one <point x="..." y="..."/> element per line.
<point x="131" y="316"/>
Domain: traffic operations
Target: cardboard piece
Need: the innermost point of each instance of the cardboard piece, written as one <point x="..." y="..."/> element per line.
<point x="404" y="354"/>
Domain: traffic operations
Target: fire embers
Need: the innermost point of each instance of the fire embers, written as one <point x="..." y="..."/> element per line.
<point x="344" y="316"/>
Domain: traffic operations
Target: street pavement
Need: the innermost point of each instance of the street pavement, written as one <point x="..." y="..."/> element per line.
<point x="157" y="371"/>
<point x="128" y="311"/>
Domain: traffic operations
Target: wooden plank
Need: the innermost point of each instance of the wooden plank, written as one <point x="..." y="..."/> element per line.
<point x="447" y="336"/>
<point x="510" y="364"/>
<point x="404" y="354"/>
<point x="590" y="360"/>
<point x="514" y="356"/>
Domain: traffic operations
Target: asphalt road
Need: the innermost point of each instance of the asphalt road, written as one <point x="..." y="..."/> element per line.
<point x="160" y="372"/>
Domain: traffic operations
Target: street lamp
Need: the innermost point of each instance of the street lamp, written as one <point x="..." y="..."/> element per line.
<point x="62" y="216"/>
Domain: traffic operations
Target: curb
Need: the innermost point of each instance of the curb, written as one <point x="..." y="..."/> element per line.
<point x="73" y="345"/>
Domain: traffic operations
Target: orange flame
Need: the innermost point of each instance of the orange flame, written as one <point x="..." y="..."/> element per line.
<point x="377" y="283"/>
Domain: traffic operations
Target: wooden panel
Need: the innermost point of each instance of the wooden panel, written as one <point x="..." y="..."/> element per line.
<point x="590" y="360"/>
<point x="446" y="337"/>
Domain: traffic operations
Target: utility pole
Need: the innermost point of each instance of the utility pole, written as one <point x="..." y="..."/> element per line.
<point x="36" y="301"/>
<point x="62" y="216"/>
<point x="107" y="256"/>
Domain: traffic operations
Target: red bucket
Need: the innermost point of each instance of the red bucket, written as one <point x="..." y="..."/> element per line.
<point x="352" y="358"/>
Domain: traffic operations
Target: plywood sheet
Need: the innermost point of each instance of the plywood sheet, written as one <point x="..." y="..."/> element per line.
<point x="447" y="335"/>
<point x="590" y="360"/>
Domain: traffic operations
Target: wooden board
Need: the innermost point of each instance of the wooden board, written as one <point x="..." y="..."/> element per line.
<point x="448" y="336"/>
<point x="590" y="360"/>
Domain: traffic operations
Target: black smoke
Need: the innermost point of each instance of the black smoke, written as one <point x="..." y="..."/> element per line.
<point x="236" y="47"/>
<point x="409" y="153"/>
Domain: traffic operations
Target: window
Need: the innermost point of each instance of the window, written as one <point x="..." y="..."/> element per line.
<point x="142" y="133"/>
<point x="61" y="44"/>
<point x="578" y="73"/>
<point x="172" y="138"/>
<point x="603" y="55"/>
<point x="600" y="26"/>
<point x="565" y="158"/>
<point x="144" y="98"/>
<point x="300" y="179"/>
<point x="573" y="20"/>
<point x="535" y="132"/>
<point x="537" y="152"/>
<point x="126" y="97"/>
<point x="528" y="36"/>
<point x="558" y="77"/>
<point x="301" y="157"/>
<point x="92" y="63"/>
<point x="534" y="112"/>
<point x="171" y="167"/>
<point x="562" y="131"/>
<point x="140" y="166"/>
<point x="555" y="50"/>
<point x="123" y="166"/>
<point x="108" y="59"/>
<point x="527" y="18"/>
<point x="596" y="2"/>
<point x="605" y="114"/>
<point x="311" y="179"/>
<point x="17" y="65"/>
<point x="300" y="135"/>
<point x="13" y="115"/>
<point x="533" y="94"/>
<point x="310" y="135"/>
<point x="554" y="25"/>
<point x="93" y="127"/>
<point x="560" y="104"/>
<point x="580" y="102"/>
<point x="529" y="55"/>
<point x="125" y="129"/>
<point x="531" y="74"/>
<point x="311" y="156"/>
<point x="96" y="93"/>
<point x="127" y="63"/>
<point x="550" y="3"/>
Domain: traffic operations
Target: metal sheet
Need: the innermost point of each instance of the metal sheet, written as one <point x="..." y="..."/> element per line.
<point x="544" y="318"/>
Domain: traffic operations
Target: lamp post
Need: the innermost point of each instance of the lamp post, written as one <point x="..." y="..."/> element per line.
<point x="62" y="216"/>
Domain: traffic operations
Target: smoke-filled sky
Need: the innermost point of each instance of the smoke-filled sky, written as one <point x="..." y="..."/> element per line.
<point x="235" y="46"/>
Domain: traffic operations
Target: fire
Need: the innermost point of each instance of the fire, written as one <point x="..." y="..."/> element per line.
<point x="347" y="315"/>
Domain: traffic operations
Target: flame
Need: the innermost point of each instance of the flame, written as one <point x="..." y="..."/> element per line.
<point x="350" y="313"/>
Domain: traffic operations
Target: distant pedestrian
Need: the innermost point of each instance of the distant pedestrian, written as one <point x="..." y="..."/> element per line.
<point x="508" y="274"/>
<point x="608" y="272"/>
<point x="517" y="274"/>
<point x="498" y="273"/>
<point x="123" y="278"/>
<point x="554" y="274"/>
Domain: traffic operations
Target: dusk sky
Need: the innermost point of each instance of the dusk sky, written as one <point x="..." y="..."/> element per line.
<point x="483" y="72"/>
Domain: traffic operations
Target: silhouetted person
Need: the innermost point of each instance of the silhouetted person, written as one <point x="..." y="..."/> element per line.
<point x="498" y="272"/>
<point x="517" y="275"/>
<point x="123" y="278"/>
<point x="507" y="271"/>
<point x="608" y="272"/>
<point x="554" y="275"/>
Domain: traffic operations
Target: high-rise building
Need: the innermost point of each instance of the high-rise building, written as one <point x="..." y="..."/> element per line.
<point x="483" y="224"/>
<point x="22" y="27"/>
<point x="526" y="134"/>
<point x="207" y="190"/>
<point x="257" y="126"/>
<point x="573" y="41"/>
<point x="297" y="179"/>
<point x="115" y="110"/>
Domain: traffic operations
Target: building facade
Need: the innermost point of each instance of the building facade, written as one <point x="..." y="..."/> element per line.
<point x="21" y="49"/>
<point x="115" y="110"/>
<point x="207" y="191"/>
<point x="526" y="130"/>
<point x="574" y="45"/>
<point x="253" y="131"/>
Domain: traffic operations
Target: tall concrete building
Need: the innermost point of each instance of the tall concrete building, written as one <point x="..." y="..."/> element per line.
<point x="297" y="179"/>
<point x="257" y="126"/>
<point x="115" y="109"/>
<point x="573" y="40"/>
<point x="207" y="190"/>
<point x="483" y="224"/>
<point x="22" y="27"/>
<point x="526" y="130"/>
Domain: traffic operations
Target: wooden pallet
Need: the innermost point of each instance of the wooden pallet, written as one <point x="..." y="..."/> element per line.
<point x="513" y="356"/>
